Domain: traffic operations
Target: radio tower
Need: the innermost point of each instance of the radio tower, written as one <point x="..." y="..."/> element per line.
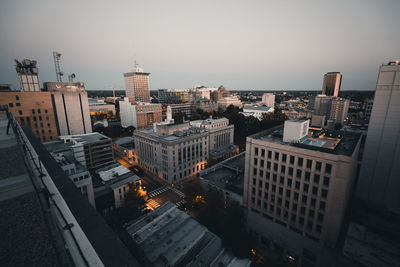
<point x="59" y="73"/>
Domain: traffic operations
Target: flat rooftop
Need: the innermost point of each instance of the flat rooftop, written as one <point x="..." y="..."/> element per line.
<point x="334" y="142"/>
<point x="228" y="174"/>
<point x="25" y="239"/>
<point x="87" y="138"/>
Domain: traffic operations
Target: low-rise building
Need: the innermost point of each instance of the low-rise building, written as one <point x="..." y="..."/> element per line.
<point x="174" y="96"/>
<point x="227" y="177"/>
<point x="125" y="148"/>
<point x="170" y="237"/>
<point x="91" y="150"/>
<point x="181" y="108"/>
<point x="225" y="102"/>
<point x="99" y="106"/>
<point x="112" y="182"/>
<point x="139" y="115"/>
<point x="64" y="154"/>
<point x="268" y="99"/>
<point x="256" y="111"/>
<point x="175" y="151"/>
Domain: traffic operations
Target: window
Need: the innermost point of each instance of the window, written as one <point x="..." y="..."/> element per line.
<point x="284" y="157"/>
<point x="262" y="163"/>
<point x="262" y="152"/>
<point x="300" y="161"/>
<point x="20" y="112"/>
<point x="318" y="166"/>
<point x="326" y="181"/>
<point x="313" y="201"/>
<point x="316" y="178"/>
<point x="269" y="154"/>
<point x="291" y="159"/>
<point x="282" y="180"/>
<point x="33" y="111"/>
<point x="305" y="188"/>
<point x="256" y="151"/>
<point x="45" y="111"/>
<point x="289" y="182"/>
<point x="297" y="186"/>
<point x="328" y="168"/>
<point x="283" y="168"/>
<point x="255" y="161"/>
<point x="324" y="193"/>
<point x="315" y="190"/>
<point x="309" y="163"/>
<point x="16" y="97"/>
<point x="322" y="205"/>
<point x="10" y="105"/>
<point x="275" y="166"/>
<point x="268" y="164"/>
<point x="18" y="104"/>
<point x="38" y="111"/>
<point x="290" y="171"/>
<point x="276" y="155"/>
<point x="307" y="176"/>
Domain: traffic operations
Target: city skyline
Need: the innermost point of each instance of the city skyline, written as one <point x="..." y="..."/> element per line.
<point x="263" y="46"/>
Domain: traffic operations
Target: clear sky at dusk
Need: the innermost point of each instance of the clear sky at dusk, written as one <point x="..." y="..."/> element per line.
<point x="240" y="44"/>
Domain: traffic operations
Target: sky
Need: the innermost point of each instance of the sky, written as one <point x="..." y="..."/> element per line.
<point x="243" y="45"/>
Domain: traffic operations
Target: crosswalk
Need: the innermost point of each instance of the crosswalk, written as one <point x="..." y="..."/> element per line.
<point x="157" y="192"/>
<point x="152" y="204"/>
<point x="180" y="203"/>
<point x="178" y="192"/>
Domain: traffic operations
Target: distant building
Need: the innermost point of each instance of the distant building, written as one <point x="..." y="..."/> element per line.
<point x="225" y="102"/>
<point x="334" y="108"/>
<point x="97" y="106"/>
<point x="175" y="151"/>
<point x="181" y="108"/>
<point x="297" y="185"/>
<point x="318" y="121"/>
<point x="64" y="154"/>
<point x="139" y="115"/>
<point x="268" y="99"/>
<point x="368" y="108"/>
<point x="28" y="74"/>
<point x="170" y="237"/>
<point x="174" y="96"/>
<point x="331" y="85"/>
<point x="71" y="107"/>
<point x="220" y="93"/>
<point x="90" y="150"/>
<point x="137" y="85"/>
<point x="34" y="110"/>
<point x="256" y="111"/>
<point x="205" y="105"/>
<point x="297" y="113"/>
<point x="379" y="179"/>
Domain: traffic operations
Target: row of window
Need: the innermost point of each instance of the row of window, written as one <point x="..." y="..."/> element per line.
<point x="316" y="178"/>
<point x="285" y="157"/>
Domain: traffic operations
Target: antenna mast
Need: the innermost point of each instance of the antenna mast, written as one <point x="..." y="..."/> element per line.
<point x="59" y="73"/>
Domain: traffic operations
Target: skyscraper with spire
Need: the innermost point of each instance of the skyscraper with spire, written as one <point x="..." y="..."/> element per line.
<point x="137" y="84"/>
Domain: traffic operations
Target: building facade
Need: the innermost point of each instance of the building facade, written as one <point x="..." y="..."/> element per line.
<point x="379" y="178"/>
<point x="137" y="85"/>
<point x="331" y="85"/>
<point x="174" y="152"/>
<point x="28" y="75"/>
<point x="297" y="187"/>
<point x="71" y="107"/>
<point x="333" y="108"/>
<point x="256" y="111"/>
<point x="174" y="96"/>
<point x="90" y="150"/>
<point x="139" y="115"/>
<point x="225" y="102"/>
<point x="34" y="110"/>
<point x="268" y="99"/>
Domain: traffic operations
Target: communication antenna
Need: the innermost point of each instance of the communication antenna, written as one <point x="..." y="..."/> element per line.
<point x="71" y="77"/>
<point x="59" y="73"/>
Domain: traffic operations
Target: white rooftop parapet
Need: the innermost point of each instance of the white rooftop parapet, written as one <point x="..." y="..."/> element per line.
<point x="294" y="130"/>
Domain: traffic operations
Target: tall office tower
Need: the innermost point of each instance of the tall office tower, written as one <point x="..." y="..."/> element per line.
<point x="28" y="75"/>
<point x="331" y="85"/>
<point x="34" y="110"/>
<point x="137" y="84"/>
<point x="333" y="108"/>
<point x="139" y="115"/>
<point x="71" y="106"/>
<point x="268" y="99"/>
<point x="297" y="185"/>
<point x="379" y="180"/>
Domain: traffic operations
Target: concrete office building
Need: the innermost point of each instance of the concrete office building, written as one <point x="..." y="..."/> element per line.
<point x="379" y="179"/>
<point x="99" y="106"/>
<point x="297" y="187"/>
<point x="28" y="75"/>
<point x="175" y="151"/>
<point x="333" y="108"/>
<point x="170" y="237"/>
<point x="34" y="110"/>
<point x="64" y="154"/>
<point x="225" y="102"/>
<point x="137" y="85"/>
<point x="90" y="150"/>
<point x="174" y="96"/>
<point x="139" y="115"/>
<point x="331" y="85"/>
<point x="71" y="107"/>
<point x="268" y="99"/>
<point x="368" y="108"/>
<point x="181" y="108"/>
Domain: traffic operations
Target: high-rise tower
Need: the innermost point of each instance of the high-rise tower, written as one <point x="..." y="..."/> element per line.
<point x="137" y="84"/>
<point x="379" y="180"/>
<point x="331" y="85"/>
